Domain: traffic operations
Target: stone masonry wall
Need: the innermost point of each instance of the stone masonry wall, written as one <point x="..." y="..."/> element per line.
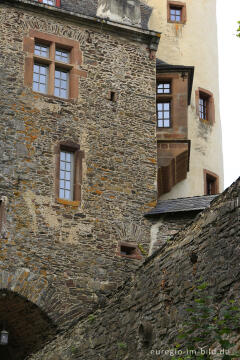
<point x="63" y="257"/>
<point x="166" y="226"/>
<point x="155" y="295"/>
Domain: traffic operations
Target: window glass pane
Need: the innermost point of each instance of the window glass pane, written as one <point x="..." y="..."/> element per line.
<point x="49" y="2"/>
<point x="35" y="86"/>
<point x="166" y="123"/>
<point x="166" y="106"/>
<point x="164" y="88"/>
<point x="62" y="55"/>
<point x="61" y="83"/>
<point x="67" y="195"/>
<point x="57" y="92"/>
<point x="63" y="94"/>
<point x="68" y="166"/>
<point x="41" y="50"/>
<point x="66" y="175"/>
<point x="67" y="185"/>
<point x="40" y="78"/>
<point x="160" y="123"/>
<point x="42" y="88"/>
<point x="57" y="83"/>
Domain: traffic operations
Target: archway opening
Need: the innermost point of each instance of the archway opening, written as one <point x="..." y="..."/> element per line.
<point x="29" y="328"/>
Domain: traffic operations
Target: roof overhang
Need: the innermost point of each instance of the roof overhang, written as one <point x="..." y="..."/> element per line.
<point x="167" y="68"/>
<point x="181" y="205"/>
<point x="150" y="38"/>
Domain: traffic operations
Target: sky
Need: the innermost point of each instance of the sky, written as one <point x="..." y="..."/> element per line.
<point x="228" y="13"/>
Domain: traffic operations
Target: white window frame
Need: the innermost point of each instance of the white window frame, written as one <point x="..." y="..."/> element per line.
<point x="47" y="76"/>
<point x="63" y="178"/>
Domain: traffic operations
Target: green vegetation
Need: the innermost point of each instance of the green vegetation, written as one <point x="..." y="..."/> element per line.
<point x="209" y="328"/>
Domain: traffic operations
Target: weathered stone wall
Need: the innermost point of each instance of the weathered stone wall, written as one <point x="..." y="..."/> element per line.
<point x="62" y="256"/>
<point x="158" y="291"/>
<point x="166" y="226"/>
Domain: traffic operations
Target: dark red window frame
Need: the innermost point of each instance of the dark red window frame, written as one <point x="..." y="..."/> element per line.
<point x="57" y="2"/>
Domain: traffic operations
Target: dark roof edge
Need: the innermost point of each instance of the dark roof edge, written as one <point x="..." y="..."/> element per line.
<point x="138" y="34"/>
<point x="179" y="68"/>
<point x="153" y="213"/>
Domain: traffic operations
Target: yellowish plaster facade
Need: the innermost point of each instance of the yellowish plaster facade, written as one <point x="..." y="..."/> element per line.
<point x="194" y="44"/>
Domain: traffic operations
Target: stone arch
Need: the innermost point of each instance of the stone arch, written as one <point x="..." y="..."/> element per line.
<point x="34" y="288"/>
<point x="29" y="327"/>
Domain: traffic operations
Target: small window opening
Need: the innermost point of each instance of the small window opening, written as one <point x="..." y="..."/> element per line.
<point x="164" y="88"/>
<point x="112" y="96"/>
<point x="211" y="185"/>
<point x="127" y="250"/>
<point x="175" y="13"/>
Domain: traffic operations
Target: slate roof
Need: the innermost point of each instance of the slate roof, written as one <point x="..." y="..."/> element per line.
<point x="196" y="203"/>
<point x="89" y="8"/>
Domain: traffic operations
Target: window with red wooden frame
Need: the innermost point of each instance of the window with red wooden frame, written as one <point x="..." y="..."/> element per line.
<point x="50" y="2"/>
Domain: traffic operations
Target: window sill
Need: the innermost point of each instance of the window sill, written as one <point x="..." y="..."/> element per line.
<point x="134" y="257"/>
<point x="72" y="100"/>
<point x="206" y="122"/>
<point x="176" y="22"/>
<point x="68" y="202"/>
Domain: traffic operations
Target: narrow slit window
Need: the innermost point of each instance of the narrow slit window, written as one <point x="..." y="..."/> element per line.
<point x="66" y="175"/>
<point x="40" y="78"/>
<point x="203" y="108"/>
<point x="61" y="83"/>
<point x="164" y="114"/>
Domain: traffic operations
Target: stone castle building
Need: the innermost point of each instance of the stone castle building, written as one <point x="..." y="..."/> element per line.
<point x="109" y="111"/>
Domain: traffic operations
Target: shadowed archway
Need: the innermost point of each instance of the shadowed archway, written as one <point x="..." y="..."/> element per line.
<point x="28" y="326"/>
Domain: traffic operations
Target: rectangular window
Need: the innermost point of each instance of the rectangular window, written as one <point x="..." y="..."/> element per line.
<point x="164" y="114"/>
<point x="211" y="183"/>
<point x="40" y="78"/>
<point x="61" y="83"/>
<point x="41" y="50"/>
<point x="203" y="108"/>
<point x="164" y="88"/>
<point x="49" y="2"/>
<point x="128" y="250"/>
<point x="66" y="175"/>
<point x="175" y="14"/>
<point x="52" y="65"/>
<point x="62" y="55"/>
